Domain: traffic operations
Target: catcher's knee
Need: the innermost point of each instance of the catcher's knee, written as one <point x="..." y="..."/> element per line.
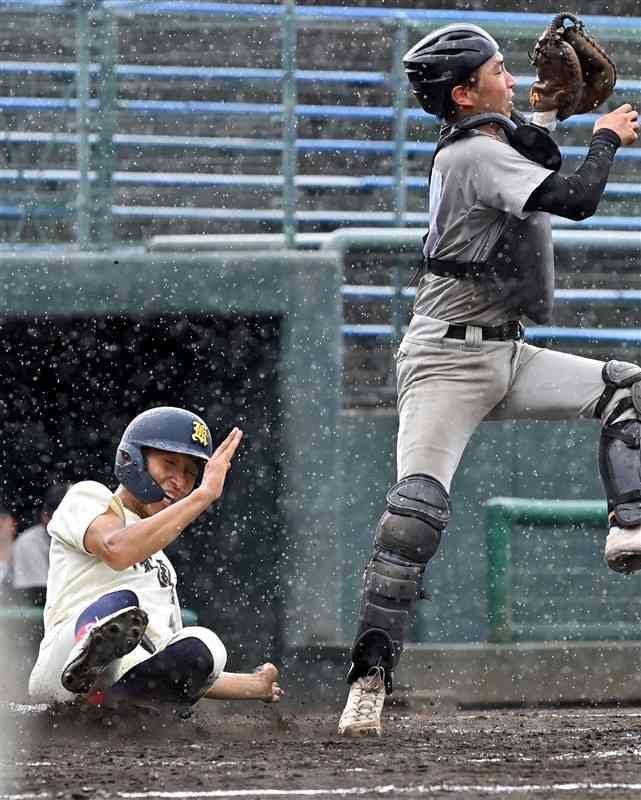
<point x="620" y="446"/>
<point x="621" y="397"/>
<point x="418" y="509"/>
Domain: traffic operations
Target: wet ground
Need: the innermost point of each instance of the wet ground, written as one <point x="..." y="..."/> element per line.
<point x="287" y="751"/>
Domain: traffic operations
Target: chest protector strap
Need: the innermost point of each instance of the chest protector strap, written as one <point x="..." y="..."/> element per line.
<point x="531" y="141"/>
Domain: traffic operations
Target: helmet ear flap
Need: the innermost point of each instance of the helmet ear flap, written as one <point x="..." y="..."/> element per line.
<point x="131" y="471"/>
<point x="123" y="457"/>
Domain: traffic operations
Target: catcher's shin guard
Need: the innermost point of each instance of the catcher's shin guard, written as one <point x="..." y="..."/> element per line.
<point x="619" y="448"/>
<point x="407" y="537"/>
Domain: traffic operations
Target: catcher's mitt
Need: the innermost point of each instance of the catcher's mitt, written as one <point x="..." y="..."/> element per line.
<point x="599" y="71"/>
<point x="574" y="73"/>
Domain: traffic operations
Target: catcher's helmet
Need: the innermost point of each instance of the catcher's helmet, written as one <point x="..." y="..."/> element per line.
<point x="444" y="59"/>
<point x="166" y="428"/>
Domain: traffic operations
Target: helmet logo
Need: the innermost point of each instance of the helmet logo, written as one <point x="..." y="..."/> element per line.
<point x="200" y="433"/>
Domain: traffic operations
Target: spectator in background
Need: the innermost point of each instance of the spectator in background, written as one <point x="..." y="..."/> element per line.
<point x="30" y="557"/>
<point x="7" y="535"/>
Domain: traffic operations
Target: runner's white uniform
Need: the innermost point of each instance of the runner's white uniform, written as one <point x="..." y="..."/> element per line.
<point x="78" y="578"/>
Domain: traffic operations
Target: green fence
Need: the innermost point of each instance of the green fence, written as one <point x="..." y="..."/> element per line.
<point x="570" y="518"/>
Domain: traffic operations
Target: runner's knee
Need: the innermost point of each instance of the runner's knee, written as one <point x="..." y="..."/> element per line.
<point x="206" y="639"/>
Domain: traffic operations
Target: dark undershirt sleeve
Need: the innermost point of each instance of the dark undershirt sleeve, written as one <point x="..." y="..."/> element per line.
<point x="577" y="196"/>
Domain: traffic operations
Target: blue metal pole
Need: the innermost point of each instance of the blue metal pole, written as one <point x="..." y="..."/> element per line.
<point x="83" y="153"/>
<point x="289" y="95"/>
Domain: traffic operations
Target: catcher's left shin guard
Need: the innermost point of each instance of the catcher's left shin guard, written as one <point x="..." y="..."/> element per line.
<point x="407" y="537"/>
<point x="619" y="448"/>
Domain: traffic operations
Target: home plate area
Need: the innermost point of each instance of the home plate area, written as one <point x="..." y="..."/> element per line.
<point x="289" y="752"/>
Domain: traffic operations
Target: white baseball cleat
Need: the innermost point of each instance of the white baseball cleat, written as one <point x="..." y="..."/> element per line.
<point x="623" y="549"/>
<point x="362" y="712"/>
<point x="107" y="639"/>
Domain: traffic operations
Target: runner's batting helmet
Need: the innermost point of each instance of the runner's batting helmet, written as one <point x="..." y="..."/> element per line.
<point x="444" y="59"/>
<point x="174" y="430"/>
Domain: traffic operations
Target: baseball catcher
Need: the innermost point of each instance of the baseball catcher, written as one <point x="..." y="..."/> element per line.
<point x="489" y="265"/>
<point x="113" y="629"/>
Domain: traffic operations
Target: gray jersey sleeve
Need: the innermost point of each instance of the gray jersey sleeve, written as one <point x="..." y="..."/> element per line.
<point x="502" y="178"/>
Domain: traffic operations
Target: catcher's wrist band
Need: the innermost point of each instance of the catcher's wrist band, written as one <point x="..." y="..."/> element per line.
<point x="546" y="119"/>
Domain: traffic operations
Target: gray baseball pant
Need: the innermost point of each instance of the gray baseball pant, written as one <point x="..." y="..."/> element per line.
<point x="447" y="387"/>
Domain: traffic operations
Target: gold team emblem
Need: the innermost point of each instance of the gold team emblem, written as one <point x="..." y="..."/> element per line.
<point x="200" y="434"/>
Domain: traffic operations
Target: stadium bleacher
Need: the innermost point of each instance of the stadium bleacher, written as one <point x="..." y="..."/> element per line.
<point x="347" y="170"/>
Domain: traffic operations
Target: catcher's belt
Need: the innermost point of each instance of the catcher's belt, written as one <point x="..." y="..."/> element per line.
<point x="509" y="331"/>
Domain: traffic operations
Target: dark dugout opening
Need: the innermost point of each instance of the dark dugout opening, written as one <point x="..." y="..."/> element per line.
<point x="70" y="386"/>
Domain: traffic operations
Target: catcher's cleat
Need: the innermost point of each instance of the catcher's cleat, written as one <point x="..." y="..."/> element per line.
<point x="104" y="641"/>
<point x="362" y="712"/>
<point x="623" y="549"/>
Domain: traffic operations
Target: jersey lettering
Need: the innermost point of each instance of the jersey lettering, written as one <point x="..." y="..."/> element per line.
<point x="162" y="573"/>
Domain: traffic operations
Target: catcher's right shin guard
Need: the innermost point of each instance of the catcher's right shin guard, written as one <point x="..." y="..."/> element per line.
<point x="619" y="449"/>
<point x="407" y="537"/>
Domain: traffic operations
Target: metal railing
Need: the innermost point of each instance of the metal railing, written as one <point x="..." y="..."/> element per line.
<point x="56" y="69"/>
<point x="324" y="111"/>
<point x="628" y="26"/>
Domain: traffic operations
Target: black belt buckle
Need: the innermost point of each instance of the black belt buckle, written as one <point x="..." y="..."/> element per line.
<point x="512" y="330"/>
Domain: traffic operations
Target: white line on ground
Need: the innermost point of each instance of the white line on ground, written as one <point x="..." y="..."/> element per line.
<point x="521" y="758"/>
<point x="387" y="790"/>
<point x="450" y="788"/>
<point x="605" y="754"/>
<point x="27" y="796"/>
<point x="614" y="715"/>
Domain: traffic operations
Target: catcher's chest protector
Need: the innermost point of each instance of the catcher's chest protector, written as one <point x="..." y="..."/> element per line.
<point x="519" y="268"/>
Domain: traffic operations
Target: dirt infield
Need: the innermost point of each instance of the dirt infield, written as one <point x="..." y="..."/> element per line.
<point x="282" y="752"/>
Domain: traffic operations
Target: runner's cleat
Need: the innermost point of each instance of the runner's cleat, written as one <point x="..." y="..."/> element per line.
<point x="99" y="644"/>
<point x="623" y="549"/>
<point x="362" y="712"/>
